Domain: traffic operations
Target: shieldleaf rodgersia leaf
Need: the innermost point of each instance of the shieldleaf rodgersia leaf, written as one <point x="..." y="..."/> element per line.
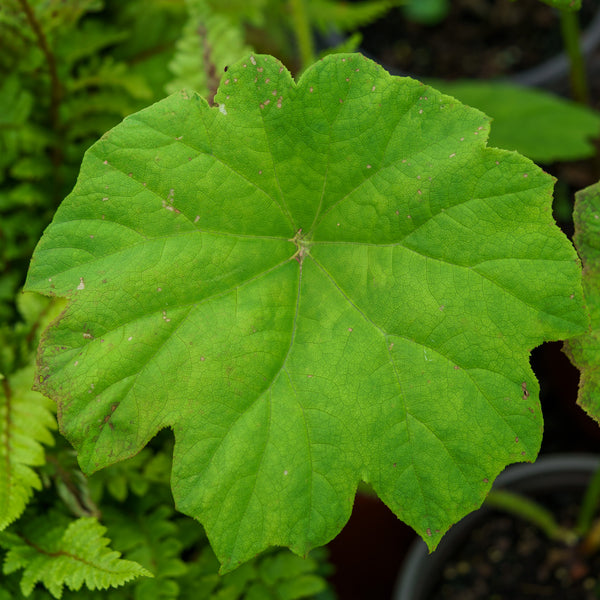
<point x="312" y="284"/>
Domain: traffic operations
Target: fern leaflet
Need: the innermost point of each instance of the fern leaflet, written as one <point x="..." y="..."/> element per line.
<point x="26" y="423"/>
<point x="73" y="556"/>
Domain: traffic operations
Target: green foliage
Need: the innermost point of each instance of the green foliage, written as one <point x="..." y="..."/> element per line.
<point x="27" y="421"/>
<point x="209" y="42"/>
<point x="60" y="88"/>
<point x="328" y="15"/>
<point x="538" y="124"/>
<point x="428" y="12"/>
<point x="151" y="537"/>
<point x="306" y="303"/>
<point x="26" y="417"/>
<point x="277" y="575"/>
<point x="71" y="556"/>
<point x="584" y="350"/>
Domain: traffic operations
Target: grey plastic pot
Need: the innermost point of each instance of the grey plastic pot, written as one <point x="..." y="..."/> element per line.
<point x="421" y="571"/>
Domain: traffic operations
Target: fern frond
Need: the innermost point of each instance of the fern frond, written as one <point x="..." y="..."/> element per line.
<point x="110" y="74"/>
<point x="26" y="422"/>
<point x="15" y="108"/>
<point x="73" y="557"/>
<point x="17" y="37"/>
<point x="209" y="42"/>
<point x="15" y="103"/>
<point x="151" y="539"/>
<point x="252" y="12"/>
<point x="121" y="478"/>
<point x="54" y="15"/>
<point x="347" y="16"/>
<point x="87" y="41"/>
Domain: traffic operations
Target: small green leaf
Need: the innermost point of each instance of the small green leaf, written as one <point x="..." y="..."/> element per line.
<point x="312" y="284"/>
<point x="584" y="350"/>
<point x="536" y="123"/>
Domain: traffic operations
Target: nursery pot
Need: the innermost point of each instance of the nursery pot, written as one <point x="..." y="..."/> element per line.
<point x="558" y="483"/>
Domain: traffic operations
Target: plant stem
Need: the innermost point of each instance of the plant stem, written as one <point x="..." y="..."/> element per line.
<point x="302" y="32"/>
<point x="586" y="527"/>
<point x="589" y="505"/>
<point x="532" y="512"/>
<point x="571" y="39"/>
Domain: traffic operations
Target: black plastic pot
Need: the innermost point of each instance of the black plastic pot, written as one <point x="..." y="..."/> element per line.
<point x="421" y="571"/>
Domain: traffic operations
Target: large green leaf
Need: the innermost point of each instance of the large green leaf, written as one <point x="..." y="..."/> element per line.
<point x="312" y="284"/>
<point x="584" y="350"/>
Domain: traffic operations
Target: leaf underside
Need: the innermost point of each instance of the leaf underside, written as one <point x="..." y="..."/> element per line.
<point x="311" y="283"/>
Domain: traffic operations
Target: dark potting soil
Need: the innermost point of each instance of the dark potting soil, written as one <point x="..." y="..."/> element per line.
<point x="508" y="559"/>
<point x="478" y="39"/>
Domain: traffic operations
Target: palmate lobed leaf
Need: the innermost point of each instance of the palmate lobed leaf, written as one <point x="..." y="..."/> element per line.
<point x="312" y="284"/>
